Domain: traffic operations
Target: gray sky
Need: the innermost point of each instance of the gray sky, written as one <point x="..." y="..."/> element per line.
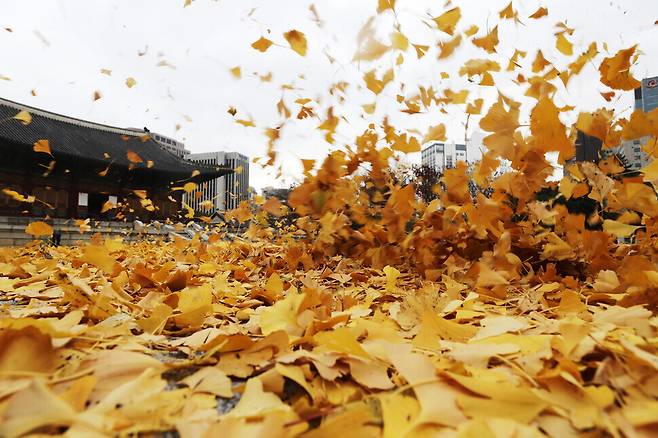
<point x="58" y="48"/>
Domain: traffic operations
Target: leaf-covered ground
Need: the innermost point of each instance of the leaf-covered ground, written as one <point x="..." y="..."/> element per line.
<point x="355" y="309"/>
<point x="230" y="339"/>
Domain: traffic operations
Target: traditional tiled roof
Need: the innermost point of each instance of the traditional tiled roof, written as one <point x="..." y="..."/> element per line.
<point x="86" y="140"/>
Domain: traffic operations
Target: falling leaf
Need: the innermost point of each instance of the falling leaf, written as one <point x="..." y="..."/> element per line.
<point x="97" y="95"/>
<point x="17" y="196"/>
<point x="447" y="21"/>
<point x="133" y="157"/>
<point x="540" y="12"/>
<point x="262" y="44"/>
<point x="615" y="71"/>
<point x="435" y="133"/>
<point x="236" y="72"/>
<point x="447" y="48"/>
<point x="420" y="50"/>
<point x="563" y="44"/>
<point x="488" y="42"/>
<point x="106" y="71"/>
<point x="131" y="82"/>
<point x="508" y="12"/>
<point x="38" y="229"/>
<point x="245" y="123"/>
<point x="383" y="5"/>
<point x="42" y="146"/>
<point x="297" y="41"/>
<point x="548" y="130"/>
<point x="24" y="117"/>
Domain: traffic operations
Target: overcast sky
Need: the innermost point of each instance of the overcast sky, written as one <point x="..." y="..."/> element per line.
<point x="181" y="56"/>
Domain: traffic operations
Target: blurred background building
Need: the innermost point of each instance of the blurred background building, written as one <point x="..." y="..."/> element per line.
<point x="224" y="193"/>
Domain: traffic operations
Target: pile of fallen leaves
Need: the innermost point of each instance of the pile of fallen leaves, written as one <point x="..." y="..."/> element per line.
<point x="528" y="311"/>
<point x="271" y="335"/>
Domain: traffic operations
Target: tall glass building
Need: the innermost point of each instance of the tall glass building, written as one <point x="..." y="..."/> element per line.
<point x="646" y="99"/>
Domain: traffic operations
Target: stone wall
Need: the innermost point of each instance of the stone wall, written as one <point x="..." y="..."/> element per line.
<point x="12" y="230"/>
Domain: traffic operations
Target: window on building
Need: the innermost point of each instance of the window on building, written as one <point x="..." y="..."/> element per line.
<point x="83" y="199"/>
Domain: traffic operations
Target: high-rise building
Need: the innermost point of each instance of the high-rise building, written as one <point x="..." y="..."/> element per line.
<point x="443" y="155"/>
<point x="646" y="99"/>
<point x="223" y="193"/>
<point x="172" y="145"/>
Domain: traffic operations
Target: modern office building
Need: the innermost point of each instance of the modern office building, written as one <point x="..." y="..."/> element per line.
<point x="222" y="193"/>
<point x="172" y="145"/>
<point x="646" y="99"/>
<point x="443" y="155"/>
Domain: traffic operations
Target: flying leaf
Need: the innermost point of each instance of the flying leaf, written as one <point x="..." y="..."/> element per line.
<point x="563" y="44"/>
<point x="420" y="50"/>
<point x="447" y="48"/>
<point x="540" y="12"/>
<point x="42" y="146"/>
<point x="383" y="5"/>
<point x="548" y="130"/>
<point x="24" y="117"/>
<point x="130" y="82"/>
<point x="38" y="229"/>
<point x="508" y="12"/>
<point x="236" y="72"/>
<point x="297" y="41"/>
<point x="262" y="44"/>
<point x="615" y="71"/>
<point x="488" y="42"/>
<point x="437" y="133"/>
<point x="17" y="196"/>
<point x="447" y="21"/>
<point x="133" y="157"/>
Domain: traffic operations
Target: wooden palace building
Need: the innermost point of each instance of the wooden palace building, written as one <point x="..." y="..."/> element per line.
<point x="77" y="169"/>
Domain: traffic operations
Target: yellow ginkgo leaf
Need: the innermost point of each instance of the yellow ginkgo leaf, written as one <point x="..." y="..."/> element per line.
<point x="236" y="72"/>
<point x="38" y="229"/>
<point x="615" y="71"/>
<point x="488" y="42"/>
<point x="447" y="21"/>
<point x="24" y="117"/>
<point x="297" y="41"/>
<point x="619" y="229"/>
<point x="42" y="146"/>
<point x="130" y="82"/>
<point x="133" y="157"/>
<point x="437" y="132"/>
<point x="383" y="5"/>
<point x="540" y="12"/>
<point x="563" y="44"/>
<point x="261" y="44"/>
